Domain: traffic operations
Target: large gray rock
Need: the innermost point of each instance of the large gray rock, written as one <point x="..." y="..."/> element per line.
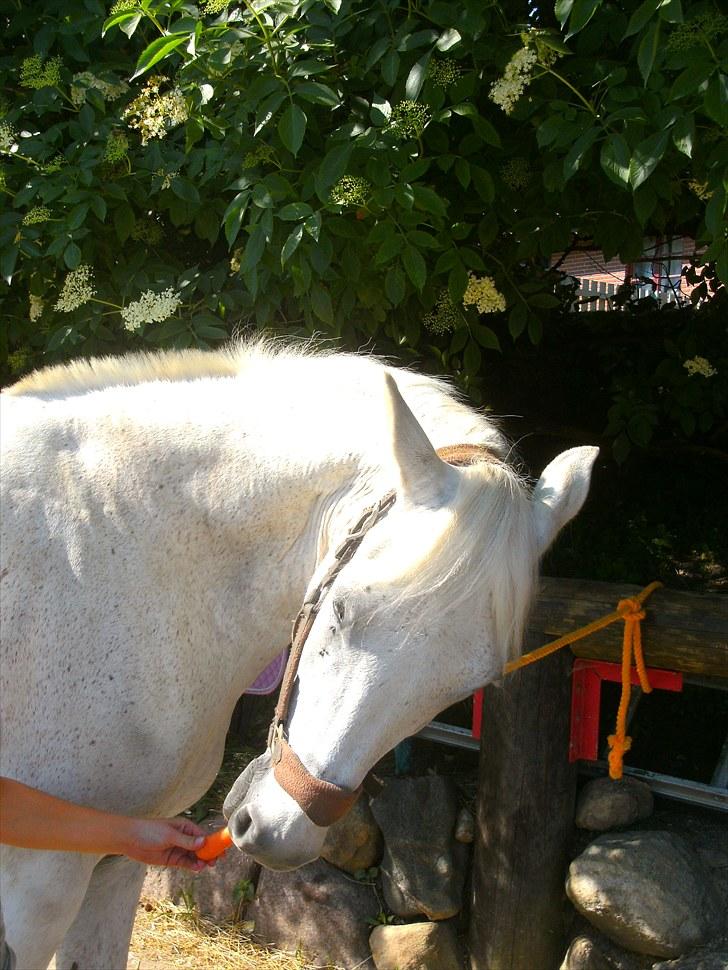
<point x="592" y="950"/>
<point x="219" y="892"/>
<point x="605" y="804"/>
<point x="714" y="956"/>
<point x="317" y="909"/>
<point x="415" y="946"/>
<point x="647" y="891"/>
<point x="423" y="868"/>
<point x="354" y="843"/>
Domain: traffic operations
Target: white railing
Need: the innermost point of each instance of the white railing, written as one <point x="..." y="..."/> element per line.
<point x="595" y="295"/>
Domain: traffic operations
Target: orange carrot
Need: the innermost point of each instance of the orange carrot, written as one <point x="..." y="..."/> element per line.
<point x="215" y="844"/>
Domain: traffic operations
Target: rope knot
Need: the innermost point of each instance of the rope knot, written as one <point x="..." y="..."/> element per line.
<point x="618" y="747"/>
<point x="631" y="609"/>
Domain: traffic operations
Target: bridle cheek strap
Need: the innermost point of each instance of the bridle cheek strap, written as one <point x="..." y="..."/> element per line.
<point x="322" y="801"/>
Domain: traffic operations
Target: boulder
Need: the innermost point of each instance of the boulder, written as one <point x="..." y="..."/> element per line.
<point x="465" y="827"/>
<point x="423" y="868"/>
<point x="591" y="950"/>
<point x="415" y="946"/>
<point x="605" y="804"/>
<point x="647" y="891"/>
<point x="354" y="843"/>
<point x="316" y="909"/>
<point x="219" y="892"/>
<point x="714" y="956"/>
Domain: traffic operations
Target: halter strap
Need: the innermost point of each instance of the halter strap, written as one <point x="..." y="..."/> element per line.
<point x="322" y="801"/>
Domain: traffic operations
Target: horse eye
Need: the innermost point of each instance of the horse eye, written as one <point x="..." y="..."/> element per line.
<point x="338" y="608"/>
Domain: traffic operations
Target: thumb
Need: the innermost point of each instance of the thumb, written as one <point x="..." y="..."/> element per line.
<point x="186" y="840"/>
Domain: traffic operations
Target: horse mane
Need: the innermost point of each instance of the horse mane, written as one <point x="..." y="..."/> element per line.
<point x="495" y="547"/>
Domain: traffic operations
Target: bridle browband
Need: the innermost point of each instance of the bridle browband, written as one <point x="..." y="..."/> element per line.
<point x="322" y="801"/>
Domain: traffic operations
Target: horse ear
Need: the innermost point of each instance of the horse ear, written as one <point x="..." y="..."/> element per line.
<point x="560" y="492"/>
<point x="425" y="479"/>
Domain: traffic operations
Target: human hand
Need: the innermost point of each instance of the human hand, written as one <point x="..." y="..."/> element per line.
<point x="166" y="842"/>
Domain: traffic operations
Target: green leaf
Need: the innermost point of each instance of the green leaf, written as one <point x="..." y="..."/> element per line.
<point x="646" y="157"/>
<point x="123" y="222"/>
<point x="254" y="249"/>
<point x="483" y="182"/>
<point x="562" y="9"/>
<point x="390" y="67"/>
<point x="716" y="99"/>
<point x="185" y="190"/>
<point x="615" y="158"/>
<point x="8" y="259"/>
<point x="159" y="49"/>
<point x="415" y="266"/>
<point x="416" y="77"/>
<point x="544" y="301"/>
<point x="321" y="304"/>
<point x="518" y="319"/>
<point x="294" y="211"/>
<point x="671" y="11"/>
<point x="647" y="51"/>
<point x="317" y="93"/>
<point x="332" y="168"/>
<point x="72" y="255"/>
<point x="578" y="150"/>
<point x="428" y="200"/>
<point x="485" y="336"/>
<point x="472" y="358"/>
<point x="691" y="79"/>
<point x="233" y="217"/>
<point x="291" y="244"/>
<point x="292" y="128"/>
<point x="641" y="16"/>
<point x="683" y="134"/>
<point x="645" y="203"/>
<point x="395" y="285"/>
<point x="582" y="12"/>
<point x="120" y="18"/>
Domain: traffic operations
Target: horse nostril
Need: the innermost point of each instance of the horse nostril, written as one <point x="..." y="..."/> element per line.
<point x="240" y="824"/>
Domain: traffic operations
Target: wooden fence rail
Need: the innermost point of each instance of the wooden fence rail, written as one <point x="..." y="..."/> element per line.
<point x="527" y="786"/>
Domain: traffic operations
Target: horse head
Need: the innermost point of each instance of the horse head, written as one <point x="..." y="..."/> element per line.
<point x="430" y="606"/>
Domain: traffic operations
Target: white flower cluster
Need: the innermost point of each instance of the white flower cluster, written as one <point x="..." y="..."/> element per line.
<point x="166" y="177"/>
<point x="516" y="78"/>
<point x="39" y="213"/>
<point x="8" y="135"/>
<point x="443" y="317"/>
<point x="35" y="307"/>
<point x="85" y="79"/>
<point x="151" y="307"/>
<point x="482" y="293"/>
<point x="699" y="365"/>
<point x="153" y="113"/>
<point x="78" y="288"/>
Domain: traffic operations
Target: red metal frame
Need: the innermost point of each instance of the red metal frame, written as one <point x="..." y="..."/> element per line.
<point x="586" y="695"/>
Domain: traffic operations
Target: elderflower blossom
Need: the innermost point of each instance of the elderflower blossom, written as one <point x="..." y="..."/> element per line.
<point x="151" y="307"/>
<point x="147" y="230"/>
<point x="34" y="73"/>
<point x="705" y="27"/>
<point x="55" y="164"/>
<point x="444" y="72"/>
<point x="214" y="6"/>
<point x="85" y="80"/>
<point x="77" y="289"/>
<point x="3" y="180"/>
<point x="350" y="190"/>
<point x="35" y="307"/>
<point x="516" y="173"/>
<point x="121" y="5"/>
<point x="117" y="148"/>
<point x="443" y="317"/>
<point x="409" y="119"/>
<point x="516" y="78"/>
<point x="260" y="155"/>
<point x="235" y="260"/>
<point x="8" y="136"/>
<point x="154" y="114"/>
<point x="699" y="365"/>
<point x="700" y="189"/>
<point x="482" y="293"/>
<point x="39" y="213"/>
<point x="166" y="177"/>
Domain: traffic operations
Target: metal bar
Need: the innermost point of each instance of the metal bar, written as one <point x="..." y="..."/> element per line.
<point x="449" y="734"/>
<point x="720" y="775"/>
<point x="679" y="789"/>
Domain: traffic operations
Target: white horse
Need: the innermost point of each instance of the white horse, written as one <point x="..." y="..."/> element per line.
<point x="163" y="517"/>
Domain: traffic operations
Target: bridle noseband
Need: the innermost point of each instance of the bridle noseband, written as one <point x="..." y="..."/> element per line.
<point x="322" y="801"/>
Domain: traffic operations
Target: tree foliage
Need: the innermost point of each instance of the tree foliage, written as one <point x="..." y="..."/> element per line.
<point x="393" y="171"/>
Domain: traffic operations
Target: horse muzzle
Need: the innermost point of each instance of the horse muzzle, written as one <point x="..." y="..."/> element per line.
<point x="267" y="823"/>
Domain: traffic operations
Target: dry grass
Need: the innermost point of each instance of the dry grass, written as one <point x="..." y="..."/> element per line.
<point x="170" y="937"/>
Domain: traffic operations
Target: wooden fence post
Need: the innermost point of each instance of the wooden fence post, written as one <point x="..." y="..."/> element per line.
<point x="526" y="794"/>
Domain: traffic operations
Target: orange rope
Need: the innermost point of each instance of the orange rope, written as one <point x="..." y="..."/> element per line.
<point x="631" y="611"/>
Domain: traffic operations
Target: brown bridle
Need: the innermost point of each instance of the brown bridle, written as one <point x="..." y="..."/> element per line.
<point x="322" y="801"/>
